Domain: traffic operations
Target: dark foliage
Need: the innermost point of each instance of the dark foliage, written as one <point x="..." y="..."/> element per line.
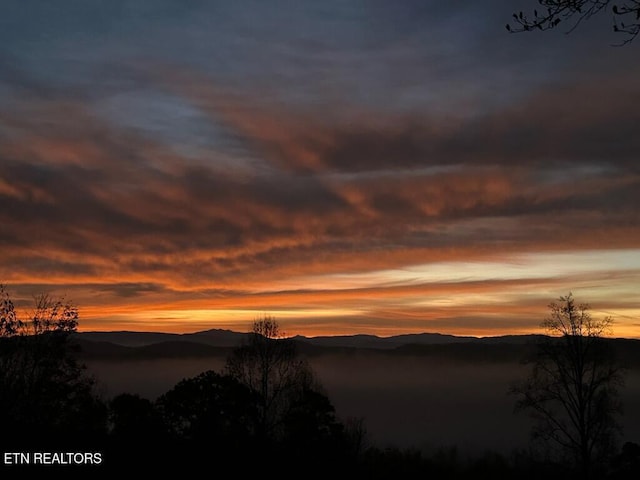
<point x="211" y="408"/>
<point x="45" y="396"/>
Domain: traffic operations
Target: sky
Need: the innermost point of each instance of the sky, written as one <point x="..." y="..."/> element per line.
<point x="343" y="166"/>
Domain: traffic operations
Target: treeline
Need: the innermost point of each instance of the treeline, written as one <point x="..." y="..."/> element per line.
<point x="264" y="413"/>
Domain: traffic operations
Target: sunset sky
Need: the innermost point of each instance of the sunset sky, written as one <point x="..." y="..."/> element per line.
<point x="345" y="166"/>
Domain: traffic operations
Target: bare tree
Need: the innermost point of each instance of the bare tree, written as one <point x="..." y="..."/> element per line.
<point x="626" y="16"/>
<point x="43" y="386"/>
<point x="357" y="436"/>
<point x="572" y="389"/>
<point x="269" y="365"/>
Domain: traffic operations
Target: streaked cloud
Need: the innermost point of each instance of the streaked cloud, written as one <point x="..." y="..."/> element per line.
<point x="162" y="193"/>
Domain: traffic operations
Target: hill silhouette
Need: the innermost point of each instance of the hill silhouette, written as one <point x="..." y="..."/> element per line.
<point x="228" y="338"/>
<point x="121" y="345"/>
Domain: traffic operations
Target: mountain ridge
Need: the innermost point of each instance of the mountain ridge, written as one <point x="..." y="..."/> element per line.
<point x="123" y="345"/>
<point x="229" y="338"/>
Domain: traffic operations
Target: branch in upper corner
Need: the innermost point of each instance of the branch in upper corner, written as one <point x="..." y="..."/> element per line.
<point x="626" y="16"/>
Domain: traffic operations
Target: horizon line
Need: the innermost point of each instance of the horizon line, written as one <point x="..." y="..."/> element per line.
<point x="345" y="335"/>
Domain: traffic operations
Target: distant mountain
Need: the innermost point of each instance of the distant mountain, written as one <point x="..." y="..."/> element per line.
<point x="511" y="339"/>
<point x="127" y="338"/>
<point x="213" y="337"/>
<point x="227" y="338"/>
<point x="124" y="345"/>
<point x="169" y="349"/>
<point x="216" y="337"/>
<point x="372" y="341"/>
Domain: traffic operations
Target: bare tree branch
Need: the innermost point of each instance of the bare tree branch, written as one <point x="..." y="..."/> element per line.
<point x="572" y="388"/>
<point x="626" y="16"/>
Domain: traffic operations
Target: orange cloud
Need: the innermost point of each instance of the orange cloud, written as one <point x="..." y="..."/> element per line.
<point x="129" y="224"/>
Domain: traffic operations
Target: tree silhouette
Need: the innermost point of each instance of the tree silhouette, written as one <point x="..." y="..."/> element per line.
<point x="572" y="390"/>
<point x="268" y="364"/>
<point x="210" y="408"/>
<point x="294" y="417"/>
<point x="357" y="437"/>
<point x="137" y="433"/>
<point x="133" y="419"/>
<point x="626" y="16"/>
<point x="312" y="431"/>
<point x="44" y="392"/>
